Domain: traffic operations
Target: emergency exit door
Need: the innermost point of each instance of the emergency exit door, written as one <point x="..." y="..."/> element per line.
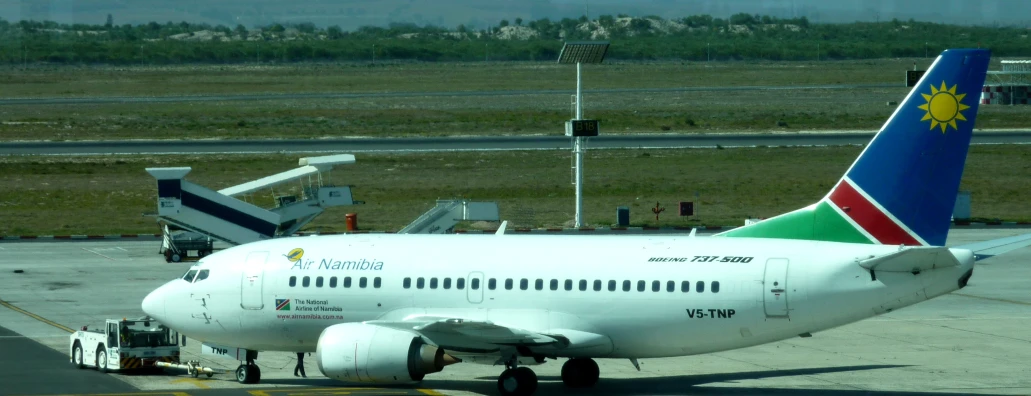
<point x="775" y="288"/>
<point x="253" y="278"/>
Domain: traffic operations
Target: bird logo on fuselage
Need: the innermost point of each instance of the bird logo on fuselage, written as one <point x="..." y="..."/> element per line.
<point x="294" y="255"/>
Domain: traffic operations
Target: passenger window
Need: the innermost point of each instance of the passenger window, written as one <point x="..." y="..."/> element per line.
<point x="699" y="287"/>
<point x="447" y="283"/>
<point x="671" y="286"/>
<point x="475" y="284"/>
<point x="715" y="286"/>
<point x="524" y="284"/>
<point x="492" y="284"/>
<point x="626" y="285"/>
<point x="508" y="284"/>
<point x="318" y="282"/>
<point x="293" y="281"/>
<point x="539" y="284"/>
<point x="420" y="283"/>
<point x="347" y="281"/>
<point x="685" y="286"/>
<point x="656" y="286"/>
<point x="583" y="284"/>
<point x="612" y="285"/>
<point x="363" y="282"/>
<point x="597" y="285"/>
<point x="377" y="282"/>
<point x="333" y="281"/>
<point x="306" y="281"/>
<point x="640" y="285"/>
<point x="407" y="283"/>
<point x="569" y="284"/>
<point x="202" y="275"/>
<point x="433" y="283"/>
<point x="460" y="283"/>
<point x="554" y="284"/>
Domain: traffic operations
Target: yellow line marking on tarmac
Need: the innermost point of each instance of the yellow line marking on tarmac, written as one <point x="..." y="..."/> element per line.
<point x="37" y="317"/>
<point x="196" y="382"/>
<point x="430" y="392"/>
<point x="131" y="394"/>
<point x="993" y="299"/>
<point x="332" y="391"/>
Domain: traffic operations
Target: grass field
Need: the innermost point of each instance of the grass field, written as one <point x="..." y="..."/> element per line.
<point x="627" y="113"/>
<point x="110" y="194"/>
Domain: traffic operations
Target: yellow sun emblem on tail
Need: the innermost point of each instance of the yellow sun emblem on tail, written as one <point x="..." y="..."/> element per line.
<point x="943" y="107"/>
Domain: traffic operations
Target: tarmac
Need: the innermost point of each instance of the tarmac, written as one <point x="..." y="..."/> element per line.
<point x="973" y="341"/>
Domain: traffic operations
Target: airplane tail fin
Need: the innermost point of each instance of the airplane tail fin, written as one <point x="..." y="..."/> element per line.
<point x="902" y="188"/>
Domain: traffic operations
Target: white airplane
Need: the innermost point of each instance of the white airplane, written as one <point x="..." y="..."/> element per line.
<point x="390" y="309"/>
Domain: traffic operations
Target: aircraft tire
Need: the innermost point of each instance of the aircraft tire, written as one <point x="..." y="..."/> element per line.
<point x="517" y="382"/>
<point x="580" y="373"/>
<point x="248" y="374"/>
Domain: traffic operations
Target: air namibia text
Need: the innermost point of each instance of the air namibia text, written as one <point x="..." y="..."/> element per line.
<point x="341" y="265"/>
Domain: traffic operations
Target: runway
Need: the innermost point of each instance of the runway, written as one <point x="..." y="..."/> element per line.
<point x="973" y="341"/>
<point x="360" y="95"/>
<point x="358" y="145"/>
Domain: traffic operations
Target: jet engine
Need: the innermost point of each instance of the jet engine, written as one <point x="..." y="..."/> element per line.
<point x="356" y="352"/>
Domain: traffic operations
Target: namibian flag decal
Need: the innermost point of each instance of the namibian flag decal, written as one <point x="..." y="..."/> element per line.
<point x="282" y="304"/>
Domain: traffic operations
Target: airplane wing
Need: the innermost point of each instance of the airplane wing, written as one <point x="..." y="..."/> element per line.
<point x="995" y="247"/>
<point x="468" y="331"/>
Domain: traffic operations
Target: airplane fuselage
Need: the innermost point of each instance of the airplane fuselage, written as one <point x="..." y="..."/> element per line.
<point x="624" y="296"/>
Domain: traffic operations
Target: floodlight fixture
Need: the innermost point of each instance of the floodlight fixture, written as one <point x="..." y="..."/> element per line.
<point x="583" y="52"/>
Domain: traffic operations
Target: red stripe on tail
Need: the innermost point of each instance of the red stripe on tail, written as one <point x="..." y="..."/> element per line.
<point x="868" y="216"/>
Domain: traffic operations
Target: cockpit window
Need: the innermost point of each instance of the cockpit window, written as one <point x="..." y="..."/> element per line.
<point x="190" y="275"/>
<point x="202" y="275"/>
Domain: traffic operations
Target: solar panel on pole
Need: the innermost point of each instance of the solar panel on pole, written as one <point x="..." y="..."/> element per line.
<point x="580" y="52"/>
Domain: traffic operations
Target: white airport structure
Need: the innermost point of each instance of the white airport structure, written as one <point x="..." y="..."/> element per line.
<point x="220" y="215"/>
<point x="443" y="217"/>
<point x="1009" y="86"/>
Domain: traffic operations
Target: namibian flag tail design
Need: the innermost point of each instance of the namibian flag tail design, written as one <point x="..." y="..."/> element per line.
<point x="902" y="188"/>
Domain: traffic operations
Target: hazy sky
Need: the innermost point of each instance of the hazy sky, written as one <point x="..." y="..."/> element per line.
<point x="479" y="13"/>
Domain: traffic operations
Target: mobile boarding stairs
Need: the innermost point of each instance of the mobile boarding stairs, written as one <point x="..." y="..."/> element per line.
<point x="220" y="215"/>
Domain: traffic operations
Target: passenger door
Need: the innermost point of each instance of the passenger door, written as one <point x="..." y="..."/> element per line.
<point x="775" y="288"/>
<point x="252" y="281"/>
<point x="475" y="290"/>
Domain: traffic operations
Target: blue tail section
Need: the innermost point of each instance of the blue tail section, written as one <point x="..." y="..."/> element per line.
<point x="912" y="168"/>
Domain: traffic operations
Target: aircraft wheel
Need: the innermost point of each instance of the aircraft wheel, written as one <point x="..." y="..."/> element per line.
<point x="248" y="374"/>
<point x="580" y="373"/>
<point x="517" y="382"/>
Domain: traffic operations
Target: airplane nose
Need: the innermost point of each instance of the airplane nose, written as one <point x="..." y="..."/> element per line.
<point x="154" y="304"/>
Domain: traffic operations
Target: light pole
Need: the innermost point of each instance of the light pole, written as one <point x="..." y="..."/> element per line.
<point x="578" y="128"/>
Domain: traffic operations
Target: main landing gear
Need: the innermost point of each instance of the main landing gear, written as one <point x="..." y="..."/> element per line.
<point x="521" y="381"/>
<point x="517" y="381"/>
<point x="248" y="373"/>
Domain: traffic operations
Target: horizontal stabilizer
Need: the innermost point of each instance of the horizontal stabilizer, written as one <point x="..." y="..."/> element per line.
<point x="911" y="260"/>
<point x="995" y="247"/>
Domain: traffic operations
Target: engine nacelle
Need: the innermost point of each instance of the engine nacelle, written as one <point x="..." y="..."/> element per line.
<point x="357" y="352"/>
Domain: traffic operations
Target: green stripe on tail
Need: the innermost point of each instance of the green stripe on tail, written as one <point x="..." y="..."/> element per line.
<point x="817" y="222"/>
